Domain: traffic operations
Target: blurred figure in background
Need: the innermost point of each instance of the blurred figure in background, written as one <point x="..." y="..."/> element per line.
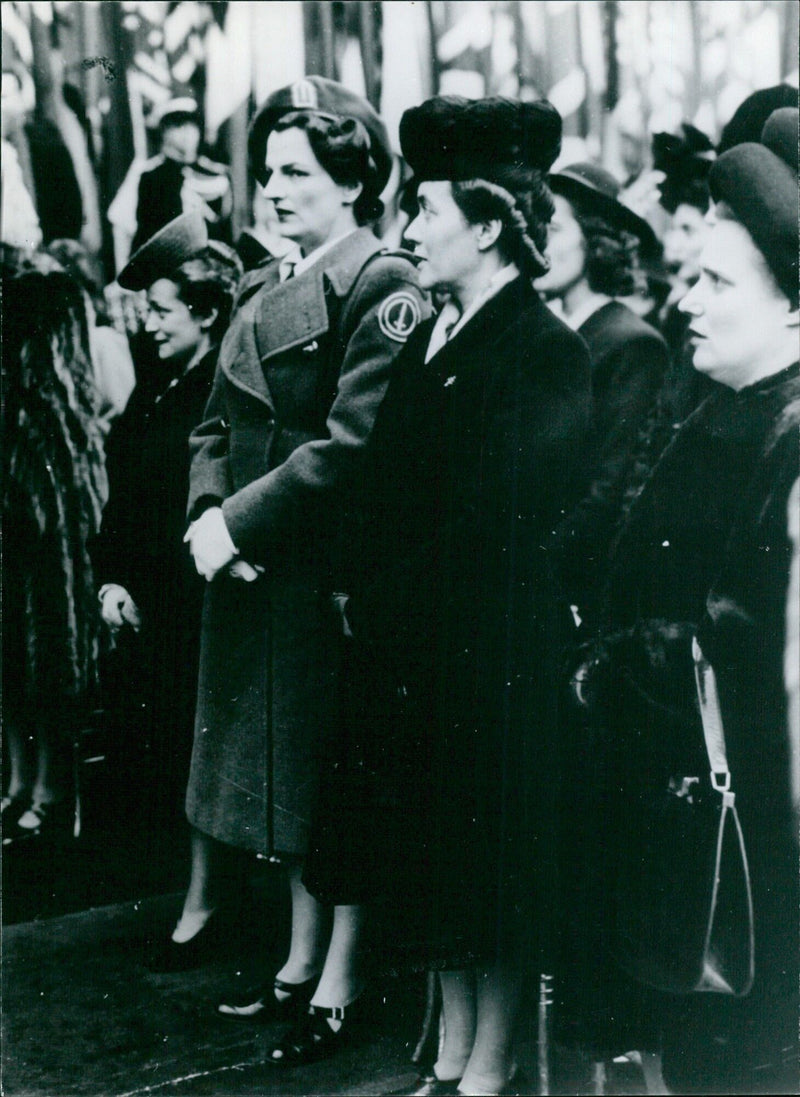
<point x="593" y="251"/>
<point x="114" y="374"/>
<point x="54" y="490"/>
<point x="176" y="180"/>
<point x="149" y="586"/>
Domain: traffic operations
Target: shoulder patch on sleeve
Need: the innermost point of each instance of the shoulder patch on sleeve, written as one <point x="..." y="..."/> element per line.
<point x="398" y="315"/>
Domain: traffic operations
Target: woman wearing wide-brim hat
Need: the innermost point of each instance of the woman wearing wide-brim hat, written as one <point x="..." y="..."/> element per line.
<point x="594" y="248"/>
<point x="301" y="373"/>
<point x="477" y="449"/>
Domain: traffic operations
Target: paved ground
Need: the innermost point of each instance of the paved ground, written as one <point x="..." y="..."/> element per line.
<point x="83" y="1017"/>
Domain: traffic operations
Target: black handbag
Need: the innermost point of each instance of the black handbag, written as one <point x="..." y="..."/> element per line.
<point x="683" y="917"/>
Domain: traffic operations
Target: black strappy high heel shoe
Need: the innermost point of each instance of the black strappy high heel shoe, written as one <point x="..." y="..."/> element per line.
<point x="312" y="1038"/>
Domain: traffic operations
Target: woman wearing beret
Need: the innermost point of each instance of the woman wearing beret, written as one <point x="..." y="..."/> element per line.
<point x="149" y="586"/>
<point x="302" y="370"/>
<point x="705" y="553"/>
<point x="477" y="451"/>
<point x="593" y="250"/>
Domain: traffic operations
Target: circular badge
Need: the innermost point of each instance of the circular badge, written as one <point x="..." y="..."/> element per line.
<point x="399" y="315"/>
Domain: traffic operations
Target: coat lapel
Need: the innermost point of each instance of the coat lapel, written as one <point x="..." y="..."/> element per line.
<point x="276" y="317"/>
<point x="456" y="358"/>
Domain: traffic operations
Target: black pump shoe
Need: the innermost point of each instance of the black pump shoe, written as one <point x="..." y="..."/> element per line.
<point x="260" y="1004"/>
<point x="203" y="948"/>
<point x="312" y="1038"/>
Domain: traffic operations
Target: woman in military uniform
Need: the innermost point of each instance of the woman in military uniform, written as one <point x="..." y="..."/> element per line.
<point x="301" y="373"/>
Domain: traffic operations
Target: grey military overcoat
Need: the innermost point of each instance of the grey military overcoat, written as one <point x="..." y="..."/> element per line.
<point x="302" y="371"/>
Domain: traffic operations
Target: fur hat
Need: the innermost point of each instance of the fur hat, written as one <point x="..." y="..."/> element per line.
<point x="759" y="184"/>
<point x="448" y="137"/>
<point x="181" y="239"/>
<point x="329" y="99"/>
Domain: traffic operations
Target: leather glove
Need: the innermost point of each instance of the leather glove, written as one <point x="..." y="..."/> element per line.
<point x="117" y="608"/>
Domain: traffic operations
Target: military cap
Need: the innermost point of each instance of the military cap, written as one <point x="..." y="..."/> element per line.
<point x="174" y="112"/>
<point x="597" y="192"/>
<point x="448" y="137"/>
<point x="181" y="239"/>
<point x="759" y="184"/>
<point x="751" y="115"/>
<point x="328" y="99"/>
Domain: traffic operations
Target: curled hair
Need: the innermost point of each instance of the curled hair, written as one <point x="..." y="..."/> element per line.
<point x="522" y="201"/>
<point x="342" y="147"/>
<point x="208" y="282"/>
<point x="612" y="255"/>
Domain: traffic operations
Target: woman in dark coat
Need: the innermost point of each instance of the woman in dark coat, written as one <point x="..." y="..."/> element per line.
<point x="478" y="449"/>
<point x="702" y="553"/>
<point x="54" y="489"/>
<point x="593" y="248"/>
<point x="301" y="373"/>
<point x="148" y="583"/>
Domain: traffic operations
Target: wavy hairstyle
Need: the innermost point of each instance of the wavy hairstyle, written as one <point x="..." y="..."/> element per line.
<point x="208" y="282"/>
<point x="612" y="254"/>
<point x="343" y="148"/>
<point x="521" y="199"/>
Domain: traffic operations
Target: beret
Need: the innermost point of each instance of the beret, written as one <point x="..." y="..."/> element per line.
<point x="448" y="137"/>
<point x="178" y="241"/>
<point x="759" y="184"/>
<point x="749" y="118"/>
<point x="597" y="191"/>
<point x="329" y="99"/>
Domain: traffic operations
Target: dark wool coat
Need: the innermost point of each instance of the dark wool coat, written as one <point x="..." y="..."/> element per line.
<point x="474" y="458"/>
<point x="159" y="200"/>
<point x="302" y="370"/>
<point x="629" y="364"/>
<point x="743" y="636"/>
<point x="141" y="548"/>
<point x="691" y="531"/>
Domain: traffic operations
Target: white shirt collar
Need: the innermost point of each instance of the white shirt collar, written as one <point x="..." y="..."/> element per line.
<point x="449" y="322"/>
<point x="307" y="261"/>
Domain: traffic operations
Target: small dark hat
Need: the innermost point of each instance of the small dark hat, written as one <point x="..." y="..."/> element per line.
<point x="178" y="241"/>
<point x="328" y="99"/>
<point x="759" y="183"/>
<point x="448" y="137"/>
<point x="686" y="160"/>
<point x="597" y="193"/>
<point x="751" y="115"/>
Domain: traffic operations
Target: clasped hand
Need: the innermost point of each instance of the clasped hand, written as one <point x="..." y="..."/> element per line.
<point x="210" y="543"/>
<point x="213" y="550"/>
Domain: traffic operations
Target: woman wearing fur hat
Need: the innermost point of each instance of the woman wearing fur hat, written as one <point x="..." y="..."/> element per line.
<point x="302" y="370"/>
<point x="477" y="450"/>
<point x="705" y="552"/>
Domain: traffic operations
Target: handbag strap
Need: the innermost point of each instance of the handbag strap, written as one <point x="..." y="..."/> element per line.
<point x="712" y="719"/>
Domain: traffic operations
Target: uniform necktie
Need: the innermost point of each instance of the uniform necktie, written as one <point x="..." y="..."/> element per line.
<point x="288" y="263"/>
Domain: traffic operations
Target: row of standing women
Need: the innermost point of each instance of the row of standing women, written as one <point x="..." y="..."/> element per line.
<point x="401" y="515"/>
